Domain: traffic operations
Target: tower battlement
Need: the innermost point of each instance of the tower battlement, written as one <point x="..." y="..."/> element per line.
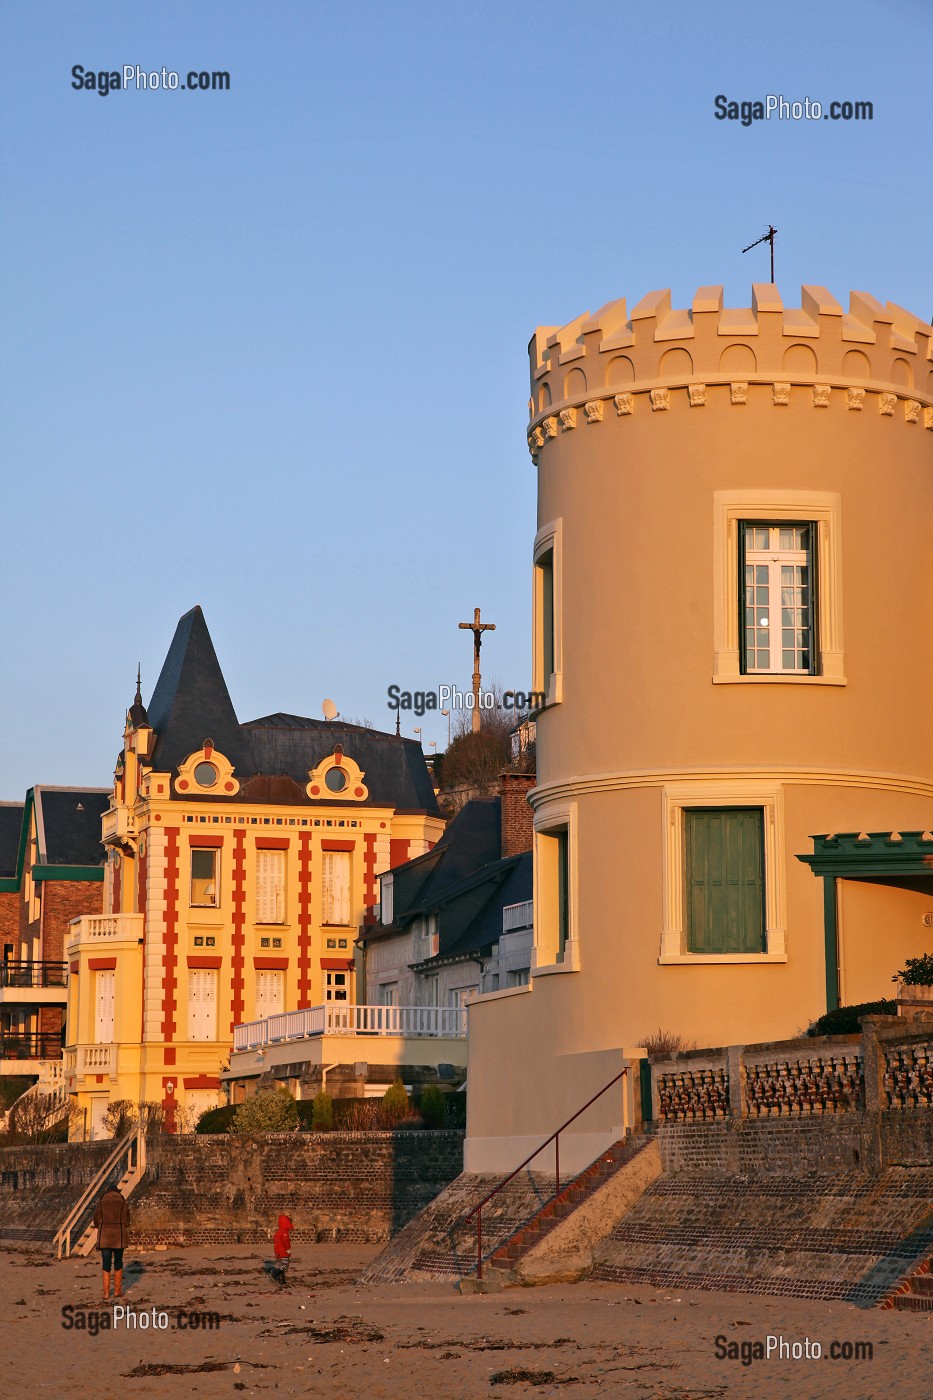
<point x="601" y="363"/>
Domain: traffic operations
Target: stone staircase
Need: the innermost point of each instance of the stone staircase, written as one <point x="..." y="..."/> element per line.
<point x="534" y="1231"/>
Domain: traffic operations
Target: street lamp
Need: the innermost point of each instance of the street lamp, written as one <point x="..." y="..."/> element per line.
<point x="447" y="713"/>
<point x="418" y="731"/>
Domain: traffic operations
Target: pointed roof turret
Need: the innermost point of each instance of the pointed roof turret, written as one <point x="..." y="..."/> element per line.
<point x="137" y="712"/>
<point x="191" y="702"/>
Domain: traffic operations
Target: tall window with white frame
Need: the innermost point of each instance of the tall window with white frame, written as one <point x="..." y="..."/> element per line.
<point x="270" y="887"/>
<point x="544" y="571"/>
<point x="205" y="865"/>
<point x="553" y="853"/>
<point x="724" y="895"/>
<point x="336" y="888"/>
<point x="202" y="1004"/>
<point x="777" y="625"/>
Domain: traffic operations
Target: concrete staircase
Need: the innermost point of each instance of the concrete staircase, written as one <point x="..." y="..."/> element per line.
<point x="126" y="1167"/>
<point x="555" y="1245"/>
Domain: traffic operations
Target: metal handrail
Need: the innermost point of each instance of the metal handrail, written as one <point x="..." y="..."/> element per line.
<point x="555" y="1138"/>
<point x="33" y="973"/>
<point x="62" y="1238"/>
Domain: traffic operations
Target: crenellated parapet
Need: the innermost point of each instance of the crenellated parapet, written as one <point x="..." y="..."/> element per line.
<point x="873" y="357"/>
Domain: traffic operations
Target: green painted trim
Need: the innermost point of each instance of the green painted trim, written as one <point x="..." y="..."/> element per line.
<point x="644" y="1077"/>
<point x="94" y="874"/>
<point x="11" y="884"/>
<point x="831" y="942"/>
<point x="847" y="855"/>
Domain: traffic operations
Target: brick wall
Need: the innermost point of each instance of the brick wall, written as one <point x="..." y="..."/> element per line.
<point x="62" y="901"/>
<point x="517" y="816"/>
<point x="39" y="1185"/>
<point x="9" y="919"/>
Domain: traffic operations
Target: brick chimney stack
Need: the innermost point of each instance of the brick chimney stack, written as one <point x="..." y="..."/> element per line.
<point x="517" y="816"/>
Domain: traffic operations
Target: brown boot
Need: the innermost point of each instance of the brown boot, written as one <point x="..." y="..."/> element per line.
<point x="106" y="1285"/>
<point x="118" y="1284"/>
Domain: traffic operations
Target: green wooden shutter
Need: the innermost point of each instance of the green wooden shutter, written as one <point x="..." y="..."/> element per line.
<point x="724" y="885"/>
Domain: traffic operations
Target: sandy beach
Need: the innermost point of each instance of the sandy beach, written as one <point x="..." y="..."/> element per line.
<point x="324" y="1336"/>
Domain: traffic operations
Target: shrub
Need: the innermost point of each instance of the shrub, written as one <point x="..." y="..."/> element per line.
<point x="916" y="972"/>
<point x="322" y="1112"/>
<point x="845" y="1019"/>
<point x="662" y="1042"/>
<point x="120" y="1116"/>
<point x="12" y="1086"/>
<point x="433" y="1106"/>
<point x="360" y="1115"/>
<point x="395" y="1103"/>
<point x="216" y="1120"/>
<point x="270" y="1111"/>
<point x="455" y="1108"/>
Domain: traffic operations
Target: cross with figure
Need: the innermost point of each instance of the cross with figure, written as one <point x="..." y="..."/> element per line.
<point x="477" y="628"/>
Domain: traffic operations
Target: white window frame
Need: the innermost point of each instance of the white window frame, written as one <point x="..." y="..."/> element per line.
<point x="734" y="792"/>
<point x="270" y="980"/>
<point x="215" y="902"/>
<point x="336" y="901"/>
<point x="203" y="1007"/>
<point x="270" y="885"/>
<point x="386" y="899"/>
<point x="104" y="998"/>
<point x="544" y="950"/>
<point x="774" y="560"/>
<point x="822" y="509"/>
<point x="329" y="986"/>
<point x="548" y="540"/>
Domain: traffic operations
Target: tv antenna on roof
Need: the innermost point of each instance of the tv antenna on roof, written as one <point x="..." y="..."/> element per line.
<point x="329" y="710"/>
<point x="765" y="238"/>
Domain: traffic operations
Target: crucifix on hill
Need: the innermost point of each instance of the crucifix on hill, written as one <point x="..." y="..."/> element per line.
<point x="477" y="628"/>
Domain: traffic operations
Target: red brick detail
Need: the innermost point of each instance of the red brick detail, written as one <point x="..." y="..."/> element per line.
<point x="206" y="840"/>
<point x="170" y="956"/>
<point x="398" y="851"/>
<point x="62" y="901"/>
<point x="142" y="898"/>
<point x="199" y="960"/>
<point x="369" y="878"/>
<point x="99" y="1078"/>
<point x="9" y="919"/>
<point x="202" y="1081"/>
<point x="102" y="964"/>
<point x="517" y="817"/>
<point x="170" y="1055"/>
<point x="272" y="843"/>
<point x="168" y="1103"/>
<point x="76" y="965"/>
<point x="270" y="964"/>
<point x="337" y="964"/>
<point x="338" y="845"/>
<point x="238" y="936"/>
<point x="304" y="919"/>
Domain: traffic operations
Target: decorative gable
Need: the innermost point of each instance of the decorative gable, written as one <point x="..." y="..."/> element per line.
<point x="337" y="778"/>
<point x="206" y="773"/>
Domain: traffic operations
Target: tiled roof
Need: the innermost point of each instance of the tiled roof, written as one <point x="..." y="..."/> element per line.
<point x="68" y="823"/>
<point x="11" y="823"/>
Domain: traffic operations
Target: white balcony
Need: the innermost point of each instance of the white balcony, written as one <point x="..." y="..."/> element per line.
<point x="516" y="916"/>
<point x="81" y="1060"/>
<point x="97" y="929"/>
<point x="346" y="1019"/>
<point x="117" y="824"/>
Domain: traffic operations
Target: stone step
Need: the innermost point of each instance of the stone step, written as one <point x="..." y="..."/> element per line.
<point x="922" y="1285"/>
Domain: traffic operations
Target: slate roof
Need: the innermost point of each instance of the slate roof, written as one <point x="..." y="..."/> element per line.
<point x="11" y="825"/>
<point x="470" y="919"/>
<point x="68" y="823"/>
<point x="191" y="703"/>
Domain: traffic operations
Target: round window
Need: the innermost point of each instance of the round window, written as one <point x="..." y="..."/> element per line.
<point x="205" y="775"/>
<point x="336" y="779"/>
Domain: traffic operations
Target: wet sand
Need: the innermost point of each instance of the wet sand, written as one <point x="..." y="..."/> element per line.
<point x="324" y="1336"/>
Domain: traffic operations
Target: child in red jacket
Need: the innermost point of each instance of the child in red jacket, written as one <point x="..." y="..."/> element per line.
<point x="282" y="1244"/>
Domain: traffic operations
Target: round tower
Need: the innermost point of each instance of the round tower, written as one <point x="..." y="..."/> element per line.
<point x="734" y="642"/>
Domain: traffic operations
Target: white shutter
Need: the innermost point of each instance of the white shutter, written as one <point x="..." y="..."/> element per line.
<point x="104" y="1018"/>
<point x="270" y="994"/>
<point x="270" y="887"/>
<point x="202" y="1005"/>
<point x="336" y="887"/>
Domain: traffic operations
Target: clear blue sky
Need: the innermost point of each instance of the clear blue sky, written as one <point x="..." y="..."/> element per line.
<point x="265" y="350"/>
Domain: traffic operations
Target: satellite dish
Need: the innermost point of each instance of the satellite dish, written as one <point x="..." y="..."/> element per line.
<point x="329" y="710"/>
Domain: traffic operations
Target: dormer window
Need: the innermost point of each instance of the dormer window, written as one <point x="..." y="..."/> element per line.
<point x="205" y="775"/>
<point x="336" y="779"/>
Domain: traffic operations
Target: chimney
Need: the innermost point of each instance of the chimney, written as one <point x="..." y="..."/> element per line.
<point x="517" y="817"/>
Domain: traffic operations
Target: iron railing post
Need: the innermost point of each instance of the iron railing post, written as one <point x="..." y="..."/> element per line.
<point x="557" y="1163"/>
<point x="479" y="1243"/>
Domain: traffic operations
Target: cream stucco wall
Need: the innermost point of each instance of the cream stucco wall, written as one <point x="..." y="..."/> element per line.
<point x="654" y="433"/>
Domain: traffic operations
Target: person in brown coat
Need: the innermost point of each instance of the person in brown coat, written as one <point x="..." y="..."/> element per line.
<point x="112" y="1218"/>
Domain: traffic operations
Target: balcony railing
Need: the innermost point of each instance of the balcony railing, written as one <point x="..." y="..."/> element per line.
<point x="30" y="1045"/>
<point x="118" y="823"/>
<point x="104" y="927"/>
<point x="33" y="974"/>
<point x="344" y="1018"/>
<point x="515" y="916"/>
<point x="91" y="1059"/>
